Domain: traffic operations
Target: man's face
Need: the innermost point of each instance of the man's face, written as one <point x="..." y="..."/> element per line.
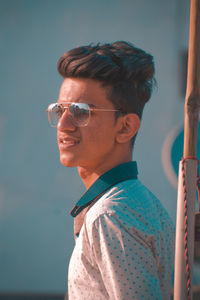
<point x="92" y="147"/>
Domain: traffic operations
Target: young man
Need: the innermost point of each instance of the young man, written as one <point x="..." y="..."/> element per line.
<point x="124" y="236"/>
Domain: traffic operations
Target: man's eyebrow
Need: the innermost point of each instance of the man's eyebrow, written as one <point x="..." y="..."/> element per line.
<point x="91" y="105"/>
<point x="77" y="101"/>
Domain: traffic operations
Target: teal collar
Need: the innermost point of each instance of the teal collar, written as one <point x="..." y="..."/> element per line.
<point x="120" y="173"/>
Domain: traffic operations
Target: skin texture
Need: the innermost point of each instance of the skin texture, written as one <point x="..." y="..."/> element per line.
<point x="104" y="142"/>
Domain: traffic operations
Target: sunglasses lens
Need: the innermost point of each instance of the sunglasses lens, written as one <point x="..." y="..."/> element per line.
<point x="80" y="113"/>
<point x="55" y="111"/>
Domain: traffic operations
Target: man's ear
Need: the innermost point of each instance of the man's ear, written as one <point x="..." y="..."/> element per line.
<point x="129" y="125"/>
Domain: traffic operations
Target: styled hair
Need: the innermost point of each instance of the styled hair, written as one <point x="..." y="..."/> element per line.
<point x="126" y="72"/>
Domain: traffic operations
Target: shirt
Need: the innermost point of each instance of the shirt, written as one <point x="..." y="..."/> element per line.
<point x="125" y="247"/>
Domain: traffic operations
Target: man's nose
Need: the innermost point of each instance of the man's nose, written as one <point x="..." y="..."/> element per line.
<point x="65" y="122"/>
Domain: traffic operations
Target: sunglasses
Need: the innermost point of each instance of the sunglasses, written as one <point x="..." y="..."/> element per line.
<point x="80" y="113"/>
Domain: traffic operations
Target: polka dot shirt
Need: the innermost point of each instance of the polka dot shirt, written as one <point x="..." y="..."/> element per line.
<point x="125" y="249"/>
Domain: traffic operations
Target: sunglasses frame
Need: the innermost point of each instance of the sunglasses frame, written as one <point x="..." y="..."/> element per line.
<point x="66" y="106"/>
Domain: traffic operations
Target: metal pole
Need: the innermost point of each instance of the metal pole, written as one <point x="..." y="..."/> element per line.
<point x="180" y="278"/>
<point x="188" y="171"/>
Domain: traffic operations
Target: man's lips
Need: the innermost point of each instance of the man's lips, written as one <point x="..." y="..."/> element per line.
<point x="66" y="142"/>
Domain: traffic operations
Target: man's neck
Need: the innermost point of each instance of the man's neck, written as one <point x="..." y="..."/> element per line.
<point x="90" y="175"/>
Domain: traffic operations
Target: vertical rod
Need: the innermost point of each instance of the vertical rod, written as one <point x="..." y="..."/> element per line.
<point x="192" y="99"/>
<point x="192" y="102"/>
<point x="180" y="280"/>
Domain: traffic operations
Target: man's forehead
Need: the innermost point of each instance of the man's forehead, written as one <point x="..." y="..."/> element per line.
<point x="80" y="89"/>
<point x="69" y="89"/>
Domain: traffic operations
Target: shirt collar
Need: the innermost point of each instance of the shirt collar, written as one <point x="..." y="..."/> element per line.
<point x="119" y="173"/>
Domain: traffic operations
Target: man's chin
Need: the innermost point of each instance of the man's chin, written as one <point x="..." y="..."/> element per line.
<point x="67" y="162"/>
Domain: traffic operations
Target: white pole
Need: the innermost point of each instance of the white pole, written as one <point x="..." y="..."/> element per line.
<point x="180" y="279"/>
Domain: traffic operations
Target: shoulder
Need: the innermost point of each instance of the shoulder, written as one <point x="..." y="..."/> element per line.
<point x="133" y="208"/>
<point x="130" y="199"/>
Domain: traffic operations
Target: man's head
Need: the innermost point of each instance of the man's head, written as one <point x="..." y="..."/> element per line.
<point x="114" y="81"/>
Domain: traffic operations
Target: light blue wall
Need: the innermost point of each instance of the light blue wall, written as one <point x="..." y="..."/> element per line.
<point x="36" y="192"/>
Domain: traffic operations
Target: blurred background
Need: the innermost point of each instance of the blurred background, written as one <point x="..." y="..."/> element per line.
<point x="36" y="192"/>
